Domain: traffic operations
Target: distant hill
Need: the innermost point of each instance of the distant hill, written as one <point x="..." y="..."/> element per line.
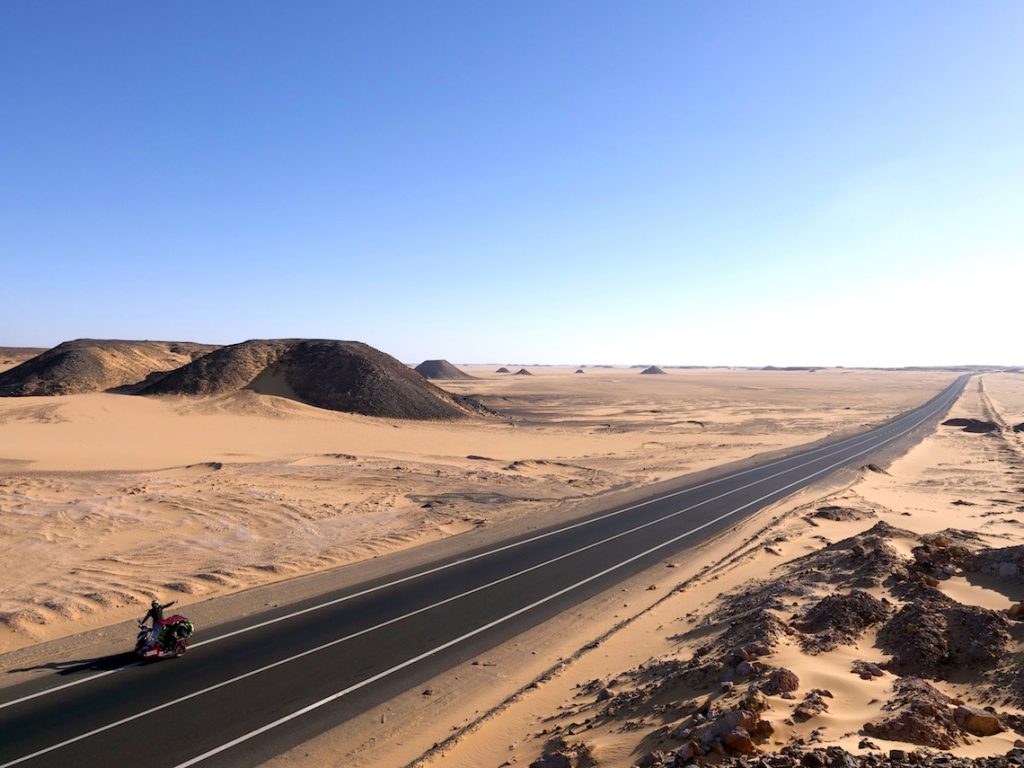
<point x="11" y="356"/>
<point x="97" y="365"/>
<point x="651" y="370"/>
<point x="441" y="369"/>
<point x="522" y="372"/>
<point x="338" y="375"/>
<point x="502" y="370"/>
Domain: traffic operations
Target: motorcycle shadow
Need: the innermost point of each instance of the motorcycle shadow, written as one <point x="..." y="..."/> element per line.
<point x="75" y="666"/>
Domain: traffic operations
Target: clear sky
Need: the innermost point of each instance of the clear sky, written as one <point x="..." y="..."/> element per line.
<point x="667" y="182"/>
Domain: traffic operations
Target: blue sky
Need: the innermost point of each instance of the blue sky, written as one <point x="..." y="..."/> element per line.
<point x="673" y="182"/>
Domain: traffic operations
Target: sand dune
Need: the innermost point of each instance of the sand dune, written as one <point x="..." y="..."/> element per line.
<point x="883" y="615"/>
<point x="97" y="365"/>
<point x="208" y="494"/>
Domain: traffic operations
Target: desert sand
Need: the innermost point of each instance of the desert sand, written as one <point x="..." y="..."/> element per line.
<point x="107" y="500"/>
<point x="889" y="597"/>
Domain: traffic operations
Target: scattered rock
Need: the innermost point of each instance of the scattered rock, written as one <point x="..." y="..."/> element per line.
<point x="813" y="704"/>
<point x="840" y="619"/>
<point x="552" y="760"/>
<point x="842" y="514"/>
<point x="976" y="721"/>
<point x="739" y="741"/>
<point x="864" y="560"/>
<point x="974" y="426"/>
<point x="938" y="556"/>
<point x="781" y="681"/>
<point x="921" y="715"/>
<point x="866" y="670"/>
<point x="933" y="635"/>
<point x="1006" y="563"/>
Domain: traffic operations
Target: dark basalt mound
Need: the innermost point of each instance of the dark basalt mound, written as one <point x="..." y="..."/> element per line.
<point x="840" y="619"/>
<point x="579" y="370"/>
<point x="441" y="370"/>
<point x="503" y="370"/>
<point x="920" y="715"/>
<point x="842" y="514"/>
<point x="98" y="365"/>
<point x="864" y="560"/>
<point x="974" y="426"/>
<point x="337" y="375"/>
<point x="1005" y="563"/>
<point x="651" y="370"/>
<point x="522" y="372"/>
<point x="933" y="635"/>
<point x="1018" y="427"/>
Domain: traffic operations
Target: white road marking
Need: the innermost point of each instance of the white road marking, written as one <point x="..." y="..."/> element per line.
<point x="855" y="439"/>
<point x="483" y="628"/>
<point x="478" y="630"/>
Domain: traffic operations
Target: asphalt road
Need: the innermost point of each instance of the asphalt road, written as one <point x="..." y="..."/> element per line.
<point x="262" y="685"/>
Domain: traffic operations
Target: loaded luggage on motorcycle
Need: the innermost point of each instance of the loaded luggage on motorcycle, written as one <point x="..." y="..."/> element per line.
<point x="172" y="639"/>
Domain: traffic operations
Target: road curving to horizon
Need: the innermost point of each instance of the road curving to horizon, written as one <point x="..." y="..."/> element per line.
<point x="262" y="685"/>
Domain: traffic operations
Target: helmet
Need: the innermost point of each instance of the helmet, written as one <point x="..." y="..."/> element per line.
<point x="154" y="604"/>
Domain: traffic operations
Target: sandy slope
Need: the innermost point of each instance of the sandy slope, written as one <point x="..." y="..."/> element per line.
<point x="951" y="480"/>
<point x="106" y="500"/>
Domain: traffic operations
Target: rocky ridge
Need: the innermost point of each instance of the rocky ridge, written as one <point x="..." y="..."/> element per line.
<point x="724" y="702"/>
<point x="344" y="376"/>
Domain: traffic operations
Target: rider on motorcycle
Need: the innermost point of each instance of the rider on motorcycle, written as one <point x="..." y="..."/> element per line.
<point x="156" y="613"/>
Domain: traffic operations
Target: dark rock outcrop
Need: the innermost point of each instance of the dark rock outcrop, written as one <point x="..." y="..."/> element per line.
<point x="977" y="721"/>
<point x="974" y="426"/>
<point x="337" y="375"/>
<point x="98" y="365"/>
<point x="781" y="681"/>
<point x="650" y="370"/>
<point x="920" y="715"/>
<point x="840" y="619"/>
<point x="1005" y="563"/>
<point x="933" y="635"/>
<point x="842" y="514"/>
<point x="441" y="370"/>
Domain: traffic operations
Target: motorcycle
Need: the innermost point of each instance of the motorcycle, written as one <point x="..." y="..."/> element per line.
<point x="171" y="642"/>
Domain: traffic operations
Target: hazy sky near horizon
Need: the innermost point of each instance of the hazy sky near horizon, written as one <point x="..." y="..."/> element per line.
<point x="666" y="182"/>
